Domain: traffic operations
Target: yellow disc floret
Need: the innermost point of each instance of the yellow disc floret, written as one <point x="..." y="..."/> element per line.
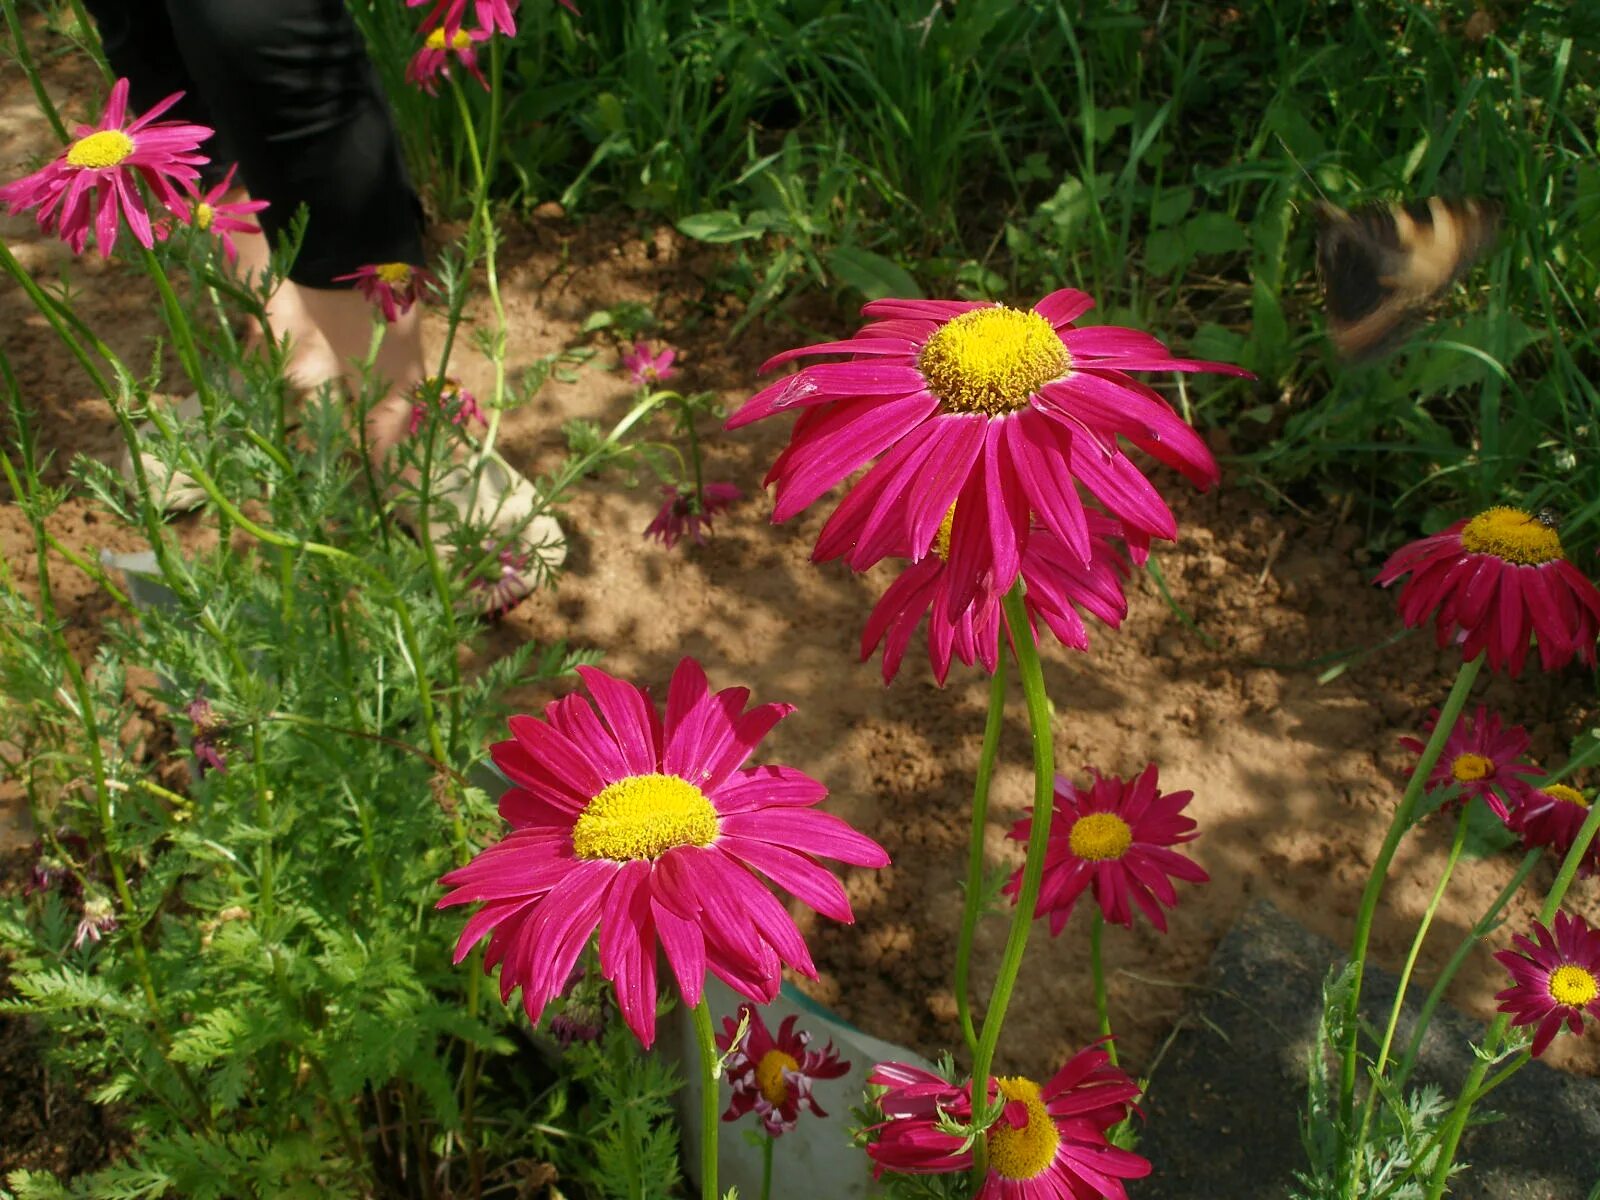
<point x="1568" y="795"/>
<point x="1469" y="768"/>
<point x="1100" y="837"/>
<point x="396" y="274"/>
<point x="1573" y="985"/>
<point x="644" y="816"/>
<point x="458" y="43"/>
<point x="1022" y="1152"/>
<point x="991" y="360"/>
<point x="769" y="1075"/>
<point x="1516" y="536"/>
<point x="204" y="214"/>
<point x="106" y="148"/>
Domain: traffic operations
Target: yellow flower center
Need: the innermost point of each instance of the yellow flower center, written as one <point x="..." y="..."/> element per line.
<point x="1100" y="836"/>
<point x="1569" y="795"/>
<point x="458" y="43"/>
<point x="1025" y="1152"/>
<point x="644" y="816"/>
<point x="204" y="214"/>
<point x="395" y="274"/>
<point x="941" y="540"/>
<point x="1469" y="768"/>
<point x="990" y="360"/>
<point x="105" y="148"/>
<point x="1573" y="985"/>
<point x="1514" y="535"/>
<point x="769" y="1075"/>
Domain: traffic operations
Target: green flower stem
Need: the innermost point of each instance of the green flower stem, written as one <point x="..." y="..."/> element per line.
<point x="1476" y="934"/>
<point x="1456" y="1124"/>
<point x="182" y="336"/>
<point x="1097" y="924"/>
<point x="972" y="909"/>
<point x="25" y="60"/>
<point x="686" y="415"/>
<point x="1038" y="702"/>
<point x="1403" y="815"/>
<point x="1398" y="1006"/>
<point x="766" y="1167"/>
<point x="708" y="1098"/>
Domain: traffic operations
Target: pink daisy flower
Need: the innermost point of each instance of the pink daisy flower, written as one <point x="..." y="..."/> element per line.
<point x="460" y="405"/>
<point x="645" y="368"/>
<point x="1049" y="1144"/>
<point x="394" y="287"/>
<point x="1494" y="582"/>
<point x="494" y="16"/>
<point x="1116" y="837"/>
<point x="504" y="586"/>
<point x="997" y="410"/>
<point x="1556" y="978"/>
<point x="93" y="181"/>
<point x="1058" y="584"/>
<point x="210" y="213"/>
<point x="681" y="516"/>
<point x="772" y="1076"/>
<point x="433" y="60"/>
<point x="208" y="731"/>
<point x="1479" y="756"/>
<point x="1552" y="816"/>
<point x="650" y="831"/>
<point x="98" y="918"/>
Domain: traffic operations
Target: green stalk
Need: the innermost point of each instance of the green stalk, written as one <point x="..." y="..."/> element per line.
<point x="1038" y="702"/>
<point x="25" y="61"/>
<point x="707" y="1042"/>
<point x="766" y="1167"/>
<point x="972" y="909"/>
<point x="1097" y="924"/>
<point x="1403" y="814"/>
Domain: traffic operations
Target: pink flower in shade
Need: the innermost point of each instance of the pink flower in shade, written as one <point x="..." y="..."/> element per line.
<point x="1116" y="837"/>
<point x="208" y="729"/>
<point x="1478" y="757"/>
<point x="460" y="405"/>
<point x="772" y="1076"/>
<point x="645" y="368"/>
<point x="1494" y="582"/>
<point x="650" y="831"/>
<point x="1048" y="1144"/>
<point x="433" y="60"/>
<point x="1551" y="816"/>
<point x="996" y="410"/>
<point x="94" y="180"/>
<point x="394" y="287"/>
<point x="504" y="586"/>
<point x="210" y="213"/>
<point x="681" y="516"/>
<point x="98" y="918"/>
<point x="493" y="15"/>
<point x="1058" y="584"/>
<point x="1556" y="978"/>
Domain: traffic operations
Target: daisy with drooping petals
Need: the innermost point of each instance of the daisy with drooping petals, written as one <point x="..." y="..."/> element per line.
<point x="1116" y="837"/>
<point x="1552" y="816"/>
<point x="1048" y="1144"/>
<point x="645" y="368"/>
<point x="394" y="287"/>
<point x="651" y="832"/>
<point x="1058" y="584"/>
<point x="681" y="516"/>
<point x="1495" y="581"/>
<point x="1479" y="756"/>
<point x="1556" y="978"/>
<point x="210" y="213"/>
<point x="460" y="405"/>
<point x="772" y="1076"/>
<point x="998" y="411"/>
<point x="494" y="16"/>
<point x="433" y="60"/>
<point x="93" y="182"/>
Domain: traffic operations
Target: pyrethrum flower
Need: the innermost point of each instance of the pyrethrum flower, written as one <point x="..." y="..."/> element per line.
<point x="94" y="181"/>
<point x="651" y="831"/>
<point x="1556" y="978"/>
<point x="1551" y="816"/>
<point x="394" y="287"/>
<point x="772" y="1076"/>
<point x="208" y="729"/>
<point x="494" y="16"/>
<point x="458" y="404"/>
<point x="1479" y="756"/>
<point x="998" y="411"/>
<point x="98" y="918"/>
<point x="646" y="368"/>
<point x="1049" y="1144"/>
<point x="682" y="516"/>
<point x="433" y="60"/>
<point x="221" y="218"/>
<point x="1117" y="838"/>
<point x="1495" y="581"/>
<point x="1058" y="584"/>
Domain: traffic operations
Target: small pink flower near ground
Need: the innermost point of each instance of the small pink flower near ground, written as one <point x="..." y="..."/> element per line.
<point x="772" y="1076"/>
<point x="1494" y="582"/>
<point x="1552" y="816"/>
<point x="98" y="918"/>
<point x="210" y="213"/>
<point x="207" y="737"/>
<point x="645" y="368"/>
<point x="1479" y="755"/>
<point x="1049" y="1144"/>
<point x="681" y="516"/>
<point x="394" y="287"/>
<point x="499" y="591"/>
<point x="433" y="60"/>
<point x="1556" y="978"/>
<point x="93" y="183"/>
<point x="652" y="832"/>
<point x="458" y="404"/>
<point x="1117" y="838"/>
